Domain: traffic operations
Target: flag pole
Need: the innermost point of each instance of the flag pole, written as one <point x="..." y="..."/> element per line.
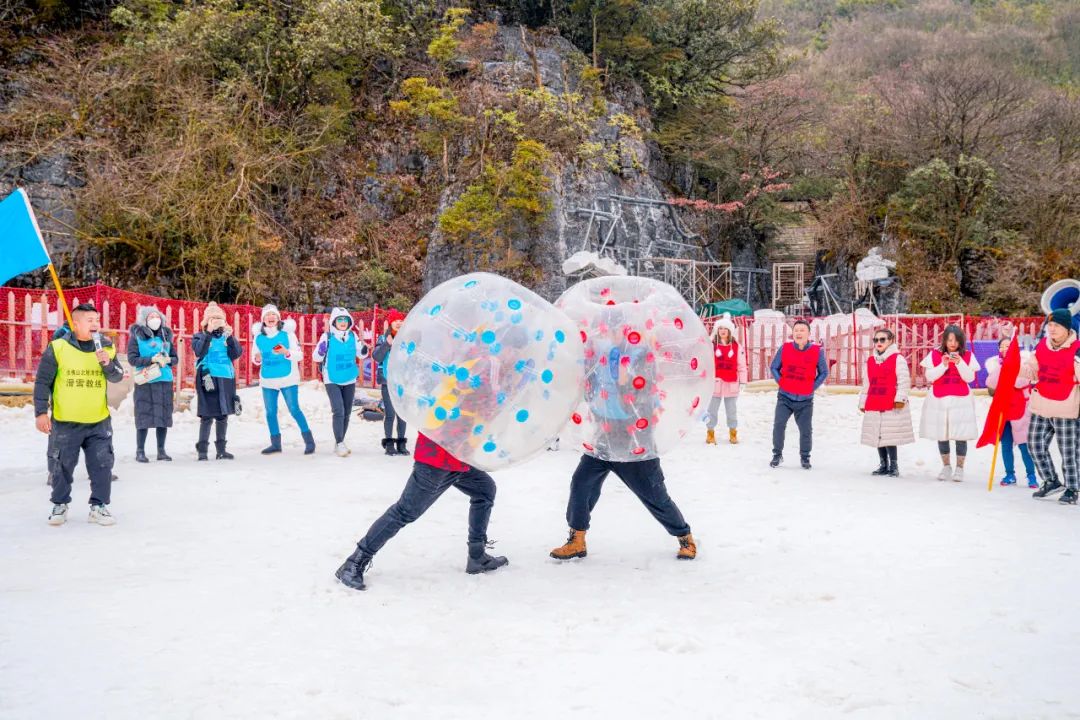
<point x="60" y="293"/>
<point x="993" y="460"/>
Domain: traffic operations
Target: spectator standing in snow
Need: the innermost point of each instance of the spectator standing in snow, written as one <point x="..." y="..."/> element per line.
<point x="337" y="351"/>
<point x="799" y="368"/>
<point x="884" y="402"/>
<point x="730" y="362"/>
<point x="949" y="411"/>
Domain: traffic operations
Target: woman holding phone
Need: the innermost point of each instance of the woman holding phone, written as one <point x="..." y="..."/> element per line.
<point x="949" y="411"/>
<point x="277" y="352"/>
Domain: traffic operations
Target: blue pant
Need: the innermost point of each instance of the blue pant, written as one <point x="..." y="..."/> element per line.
<point x="292" y="401"/>
<point x="425" y="485"/>
<point x="1007" y="453"/>
<point x="644" y="478"/>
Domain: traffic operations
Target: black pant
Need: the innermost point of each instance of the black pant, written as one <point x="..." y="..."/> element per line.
<point x="425" y="485"/>
<point x="388" y="416"/>
<point x="961" y="448"/>
<point x="95" y="440"/>
<point x="803" y="410"/>
<point x="204" y="432"/>
<point x="644" y="478"/>
<point x="140" y="438"/>
<point x="341" y="400"/>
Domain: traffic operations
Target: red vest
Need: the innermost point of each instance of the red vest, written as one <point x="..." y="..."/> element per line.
<point x="881" y="397"/>
<point x="1056" y="374"/>
<point x="429" y="453"/>
<point x="950" y="383"/>
<point x="727" y="362"/>
<point x="798" y="368"/>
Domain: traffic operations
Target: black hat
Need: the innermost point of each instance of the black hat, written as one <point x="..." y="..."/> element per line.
<point x="1060" y="316"/>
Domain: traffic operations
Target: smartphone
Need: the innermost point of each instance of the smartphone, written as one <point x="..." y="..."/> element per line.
<point x="279" y="348"/>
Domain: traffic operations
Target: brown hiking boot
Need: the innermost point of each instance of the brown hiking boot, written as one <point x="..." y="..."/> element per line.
<point x="687" y="548"/>
<point x="574" y="547"/>
<point x="733" y="436"/>
<point x="710" y="437"/>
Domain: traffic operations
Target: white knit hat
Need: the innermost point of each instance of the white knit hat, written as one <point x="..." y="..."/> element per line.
<point x="725" y="322"/>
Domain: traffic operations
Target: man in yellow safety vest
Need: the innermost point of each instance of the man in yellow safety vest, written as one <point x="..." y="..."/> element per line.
<point x="72" y="376"/>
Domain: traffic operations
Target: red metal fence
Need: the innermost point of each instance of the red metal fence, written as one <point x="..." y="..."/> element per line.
<point x="29" y="317"/>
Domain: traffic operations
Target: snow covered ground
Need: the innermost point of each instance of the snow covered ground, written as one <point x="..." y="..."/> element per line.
<point x="815" y="594"/>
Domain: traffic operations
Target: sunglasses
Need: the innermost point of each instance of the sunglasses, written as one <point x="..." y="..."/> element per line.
<point x="881" y="339"/>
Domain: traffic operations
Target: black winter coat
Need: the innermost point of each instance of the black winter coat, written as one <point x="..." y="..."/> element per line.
<point x="153" y="401"/>
<point x="222" y="400"/>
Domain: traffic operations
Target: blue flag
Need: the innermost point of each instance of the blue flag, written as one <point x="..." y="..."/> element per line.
<point x="22" y="248"/>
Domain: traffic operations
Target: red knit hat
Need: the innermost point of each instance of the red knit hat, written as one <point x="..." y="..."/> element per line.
<point x="392" y="315"/>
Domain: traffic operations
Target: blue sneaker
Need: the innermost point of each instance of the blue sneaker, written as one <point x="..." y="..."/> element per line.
<point x="1009" y="479"/>
<point x="1033" y="482"/>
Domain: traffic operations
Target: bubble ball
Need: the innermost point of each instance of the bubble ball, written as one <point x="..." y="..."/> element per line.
<point x="487" y="369"/>
<point x="648" y="367"/>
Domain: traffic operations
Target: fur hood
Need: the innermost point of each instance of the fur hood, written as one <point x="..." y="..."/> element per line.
<point x="141" y="330"/>
<point x="288" y="325"/>
<point x="338" y="312"/>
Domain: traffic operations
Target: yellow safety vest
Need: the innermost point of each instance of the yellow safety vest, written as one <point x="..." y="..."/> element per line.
<point x="79" y="388"/>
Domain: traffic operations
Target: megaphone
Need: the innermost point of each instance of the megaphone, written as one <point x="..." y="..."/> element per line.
<point x="1063" y="294"/>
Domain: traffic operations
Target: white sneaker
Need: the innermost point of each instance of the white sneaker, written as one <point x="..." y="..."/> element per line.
<point x="945" y="474"/>
<point x="958" y="475"/>
<point x="341" y="450"/>
<point x="100" y="514"/>
<point x="58" y="516"/>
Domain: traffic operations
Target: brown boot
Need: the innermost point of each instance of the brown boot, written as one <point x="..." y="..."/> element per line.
<point x="687" y="548"/>
<point x="710" y="437"/>
<point x="574" y="547"/>
<point x="733" y="436"/>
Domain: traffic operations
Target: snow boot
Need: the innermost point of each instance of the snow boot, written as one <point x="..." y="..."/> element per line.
<point x="733" y="436"/>
<point x="805" y="462"/>
<point x="894" y="470"/>
<point x="200" y="447"/>
<point x="402" y="449"/>
<point x="1009" y="479"/>
<point x="574" y="547"/>
<point x="309" y="442"/>
<point x="274" y="446"/>
<point x="140" y="456"/>
<point x="480" y="562"/>
<point x="710" y="437"/>
<point x="221" y="454"/>
<point x="388" y="446"/>
<point x="777" y="458"/>
<point x="162" y="455"/>
<point x="1068" y="497"/>
<point x="100" y="514"/>
<point x="1033" y="483"/>
<point x="883" y="468"/>
<point x="351" y="572"/>
<point x="687" y="547"/>
<point x="58" y="516"/>
<point x="1048" y="488"/>
<point x="945" y="474"/>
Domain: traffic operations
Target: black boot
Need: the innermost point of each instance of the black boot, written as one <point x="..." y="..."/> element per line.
<point x="351" y="572"/>
<point x="1068" y="497"/>
<point x="388" y="446"/>
<point x="201" y="447"/>
<point x="1048" y="488"/>
<point x="805" y="462"/>
<point x="309" y="442"/>
<point x="274" y="446"/>
<point x="883" y="468"/>
<point x="402" y="449"/>
<point x="480" y="562"/>
<point x="777" y="458"/>
<point x="221" y="454"/>
<point x="162" y="455"/>
<point x="894" y="469"/>
<point x="140" y="456"/>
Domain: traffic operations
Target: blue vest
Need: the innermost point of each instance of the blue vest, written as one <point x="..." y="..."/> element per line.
<point x="273" y="365"/>
<point x="341" y="359"/>
<point x="216" y="361"/>
<point x="155" y="346"/>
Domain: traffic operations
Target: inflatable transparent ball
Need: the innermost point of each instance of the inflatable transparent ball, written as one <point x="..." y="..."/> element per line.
<point x="487" y="369"/>
<point x="648" y="367"/>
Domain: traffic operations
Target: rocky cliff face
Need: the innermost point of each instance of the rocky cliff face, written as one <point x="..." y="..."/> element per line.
<point x="640" y="229"/>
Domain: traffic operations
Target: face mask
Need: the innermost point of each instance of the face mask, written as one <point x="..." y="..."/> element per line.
<point x="154" y="323"/>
